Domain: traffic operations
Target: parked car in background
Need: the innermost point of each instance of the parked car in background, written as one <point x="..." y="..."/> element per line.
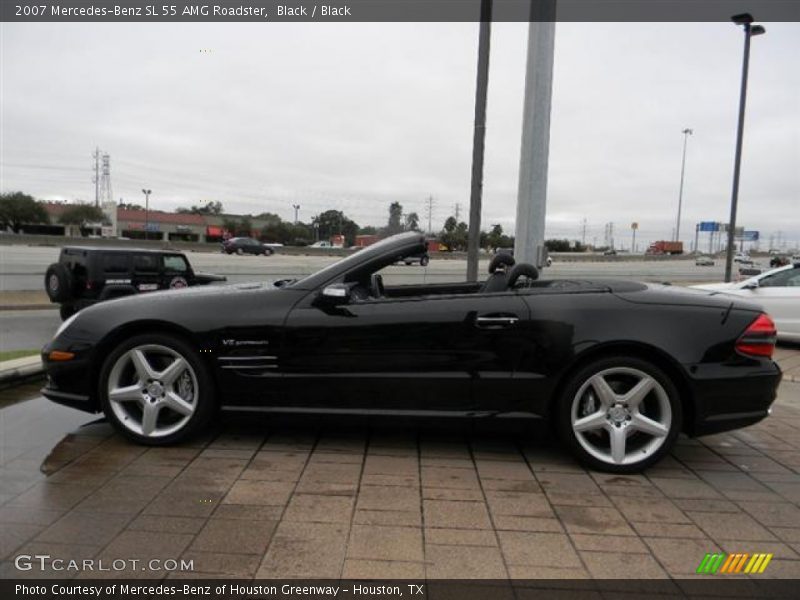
<point x="244" y="245"/>
<point x="778" y="291"/>
<point x="321" y="244"/>
<point x="742" y="258"/>
<point x="704" y="261"/>
<point x="618" y="368"/>
<point x="86" y="275"/>
<point x="610" y="252"/>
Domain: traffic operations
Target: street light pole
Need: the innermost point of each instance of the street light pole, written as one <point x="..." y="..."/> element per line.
<point x="746" y="20"/>
<point x="686" y="134"/>
<point x="478" y="140"/>
<point x="146" y="211"/>
<point x="296" y="208"/>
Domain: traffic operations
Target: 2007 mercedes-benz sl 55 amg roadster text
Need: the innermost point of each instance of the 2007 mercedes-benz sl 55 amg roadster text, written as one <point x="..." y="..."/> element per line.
<point x="619" y="368"/>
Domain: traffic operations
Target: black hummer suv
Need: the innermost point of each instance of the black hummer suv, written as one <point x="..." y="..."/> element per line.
<point x="86" y="275"/>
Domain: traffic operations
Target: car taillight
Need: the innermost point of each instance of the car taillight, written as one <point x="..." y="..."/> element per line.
<point x="759" y="338"/>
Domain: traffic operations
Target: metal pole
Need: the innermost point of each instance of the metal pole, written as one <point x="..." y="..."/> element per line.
<point x="686" y="134"/>
<point x="696" y="236"/>
<point x="738" y="158"/>
<point x="479" y="135"/>
<point x="97" y="176"/>
<point x="633" y="242"/>
<point x="146" y="212"/>
<point x="535" y="145"/>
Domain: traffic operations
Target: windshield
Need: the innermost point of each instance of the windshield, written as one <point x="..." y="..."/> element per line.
<point x="405" y="243"/>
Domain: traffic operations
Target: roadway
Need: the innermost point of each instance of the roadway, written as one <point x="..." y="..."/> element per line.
<point x="23" y="268"/>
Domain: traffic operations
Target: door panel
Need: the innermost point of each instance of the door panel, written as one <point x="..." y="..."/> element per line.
<point x="406" y="353"/>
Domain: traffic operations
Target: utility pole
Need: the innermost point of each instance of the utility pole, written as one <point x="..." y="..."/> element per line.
<point x="296" y="208"/>
<point x="696" y="237"/>
<point x="686" y="134"/>
<point x="478" y="138"/>
<point x="458" y="210"/>
<point x="535" y="145"/>
<point x="430" y="213"/>
<point x="146" y="212"/>
<point x="96" y="180"/>
<point x="583" y="232"/>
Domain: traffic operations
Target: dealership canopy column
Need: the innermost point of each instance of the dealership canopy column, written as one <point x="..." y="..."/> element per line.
<point x="532" y="194"/>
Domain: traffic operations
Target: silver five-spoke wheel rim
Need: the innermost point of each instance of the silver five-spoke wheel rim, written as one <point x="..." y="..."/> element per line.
<point x="152" y="390"/>
<point x="621" y="416"/>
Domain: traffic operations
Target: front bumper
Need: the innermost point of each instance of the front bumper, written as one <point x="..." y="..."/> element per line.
<point x="71" y="382"/>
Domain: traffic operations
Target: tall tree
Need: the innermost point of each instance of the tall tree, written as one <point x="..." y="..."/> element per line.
<point x="334" y="222"/>
<point x="395" y="224"/>
<point x="209" y="208"/>
<point x="81" y="215"/>
<point x="412" y="221"/>
<point x="17" y="209"/>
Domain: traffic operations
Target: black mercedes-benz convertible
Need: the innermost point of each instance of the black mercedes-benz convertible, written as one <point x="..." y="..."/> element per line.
<point x="619" y="368"/>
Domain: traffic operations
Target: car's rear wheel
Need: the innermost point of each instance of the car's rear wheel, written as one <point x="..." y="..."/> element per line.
<point x="619" y="414"/>
<point x="424" y="261"/>
<point x="155" y="390"/>
<point x="239" y="251"/>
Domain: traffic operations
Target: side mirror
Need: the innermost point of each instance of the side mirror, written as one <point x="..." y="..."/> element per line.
<point x="751" y="285"/>
<point x="337" y="293"/>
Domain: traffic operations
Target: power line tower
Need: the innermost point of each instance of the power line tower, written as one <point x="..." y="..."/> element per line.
<point x="96" y="178"/>
<point x="458" y="210"/>
<point x="105" y="194"/>
<point x="430" y="213"/>
<point x="583" y="232"/>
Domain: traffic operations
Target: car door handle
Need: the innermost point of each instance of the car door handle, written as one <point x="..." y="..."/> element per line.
<point x="495" y="322"/>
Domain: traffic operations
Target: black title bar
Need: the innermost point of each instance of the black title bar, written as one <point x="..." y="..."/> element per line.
<point x="142" y="11"/>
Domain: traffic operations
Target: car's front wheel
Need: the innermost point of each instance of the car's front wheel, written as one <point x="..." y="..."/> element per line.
<point x="155" y="391"/>
<point x="619" y="414"/>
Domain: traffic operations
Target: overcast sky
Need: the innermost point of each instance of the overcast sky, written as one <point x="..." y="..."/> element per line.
<point x="356" y="116"/>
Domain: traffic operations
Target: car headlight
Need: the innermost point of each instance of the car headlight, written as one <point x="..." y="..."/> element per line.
<point x="64" y="325"/>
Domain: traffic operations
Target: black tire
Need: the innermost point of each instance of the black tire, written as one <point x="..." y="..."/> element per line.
<point x="58" y="282"/>
<point x="239" y="251"/>
<point x="423" y="262"/>
<point x="577" y="380"/>
<point x="66" y="311"/>
<point x="205" y="401"/>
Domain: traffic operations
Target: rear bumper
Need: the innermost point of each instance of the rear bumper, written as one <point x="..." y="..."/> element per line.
<point x="735" y="400"/>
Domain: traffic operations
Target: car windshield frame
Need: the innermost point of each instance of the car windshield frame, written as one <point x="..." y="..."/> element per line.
<point x="397" y="246"/>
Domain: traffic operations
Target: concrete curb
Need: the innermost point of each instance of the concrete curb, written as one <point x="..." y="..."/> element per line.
<point x="20" y="368"/>
<point x="29" y="307"/>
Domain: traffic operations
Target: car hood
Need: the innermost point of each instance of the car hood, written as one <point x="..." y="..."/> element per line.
<point x="194" y="309"/>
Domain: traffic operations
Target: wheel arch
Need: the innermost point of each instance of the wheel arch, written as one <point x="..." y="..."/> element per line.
<point x="639" y="350"/>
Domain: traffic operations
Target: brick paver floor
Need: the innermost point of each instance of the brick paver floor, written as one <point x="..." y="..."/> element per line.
<point x="333" y="499"/>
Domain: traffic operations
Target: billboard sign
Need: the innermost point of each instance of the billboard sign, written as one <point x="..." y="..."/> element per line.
<point x="747" y="236"/>
<point x="709" y="226"/>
